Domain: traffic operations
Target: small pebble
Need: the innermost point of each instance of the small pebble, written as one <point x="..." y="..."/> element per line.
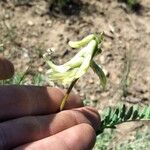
<point x="30" y="23"/>
<point x="91" y="81"/>
<point x="40" y="69"/>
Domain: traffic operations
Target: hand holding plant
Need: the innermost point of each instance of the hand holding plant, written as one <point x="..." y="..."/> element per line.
<point x="29" y="115"/>
<point x="33" y="111"/>
<point x="72" y="70"/>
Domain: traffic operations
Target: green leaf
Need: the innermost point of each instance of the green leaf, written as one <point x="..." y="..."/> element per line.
<point x="108" y="117"/>
<point x="123" y="111"/>
<point x="129" y="113"/>
<point x="147" y="113"/>
<point x="135" y="115"/>
<point x="122" y="114"/>
<point x="115" y="118"/>
<point x="143" y="112"/>
<point x="99" y="72"/>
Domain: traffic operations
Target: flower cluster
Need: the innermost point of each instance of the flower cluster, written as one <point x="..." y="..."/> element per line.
<point x="72" y="70"/>
<point x="80" y="63"/>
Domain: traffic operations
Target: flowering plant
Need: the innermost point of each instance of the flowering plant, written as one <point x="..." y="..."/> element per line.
<point x="72" y="70"/>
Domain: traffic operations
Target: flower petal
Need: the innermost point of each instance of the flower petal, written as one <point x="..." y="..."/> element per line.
<point x="83" y="42"/>
<point x="63" y="78"/>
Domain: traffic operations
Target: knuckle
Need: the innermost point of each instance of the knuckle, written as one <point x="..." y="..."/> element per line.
<point x="6" y="68"/>
<point x="3" y="139"/>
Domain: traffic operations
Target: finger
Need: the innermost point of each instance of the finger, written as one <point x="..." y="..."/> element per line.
<point x="18" y="101"/>
<point x="80" y="137"/>
<point x="6" y="69"/>
<point x="29" y="129"/>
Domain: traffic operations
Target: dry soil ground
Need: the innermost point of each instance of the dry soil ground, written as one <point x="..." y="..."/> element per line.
<point x="28" y="28"/>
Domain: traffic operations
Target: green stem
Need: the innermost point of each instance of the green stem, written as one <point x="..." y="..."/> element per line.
<point x="64" y="100"/>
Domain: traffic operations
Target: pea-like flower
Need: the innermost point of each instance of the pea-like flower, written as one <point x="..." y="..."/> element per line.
<point x="72" y="70"/>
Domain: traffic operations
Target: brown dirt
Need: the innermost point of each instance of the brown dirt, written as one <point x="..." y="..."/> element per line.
<point x="28" y="28"/>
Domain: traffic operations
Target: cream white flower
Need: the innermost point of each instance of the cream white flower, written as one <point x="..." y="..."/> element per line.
<point x="72" y="70"/>
<point x="80" y="63"/>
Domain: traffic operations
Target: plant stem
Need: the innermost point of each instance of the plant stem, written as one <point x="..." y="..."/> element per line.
<point x="64" y="100"/>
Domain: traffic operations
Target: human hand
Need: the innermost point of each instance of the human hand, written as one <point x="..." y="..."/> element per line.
<point x="30" y="118"/>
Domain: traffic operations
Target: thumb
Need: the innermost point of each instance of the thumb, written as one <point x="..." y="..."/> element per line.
<point x="6" y="68"/>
